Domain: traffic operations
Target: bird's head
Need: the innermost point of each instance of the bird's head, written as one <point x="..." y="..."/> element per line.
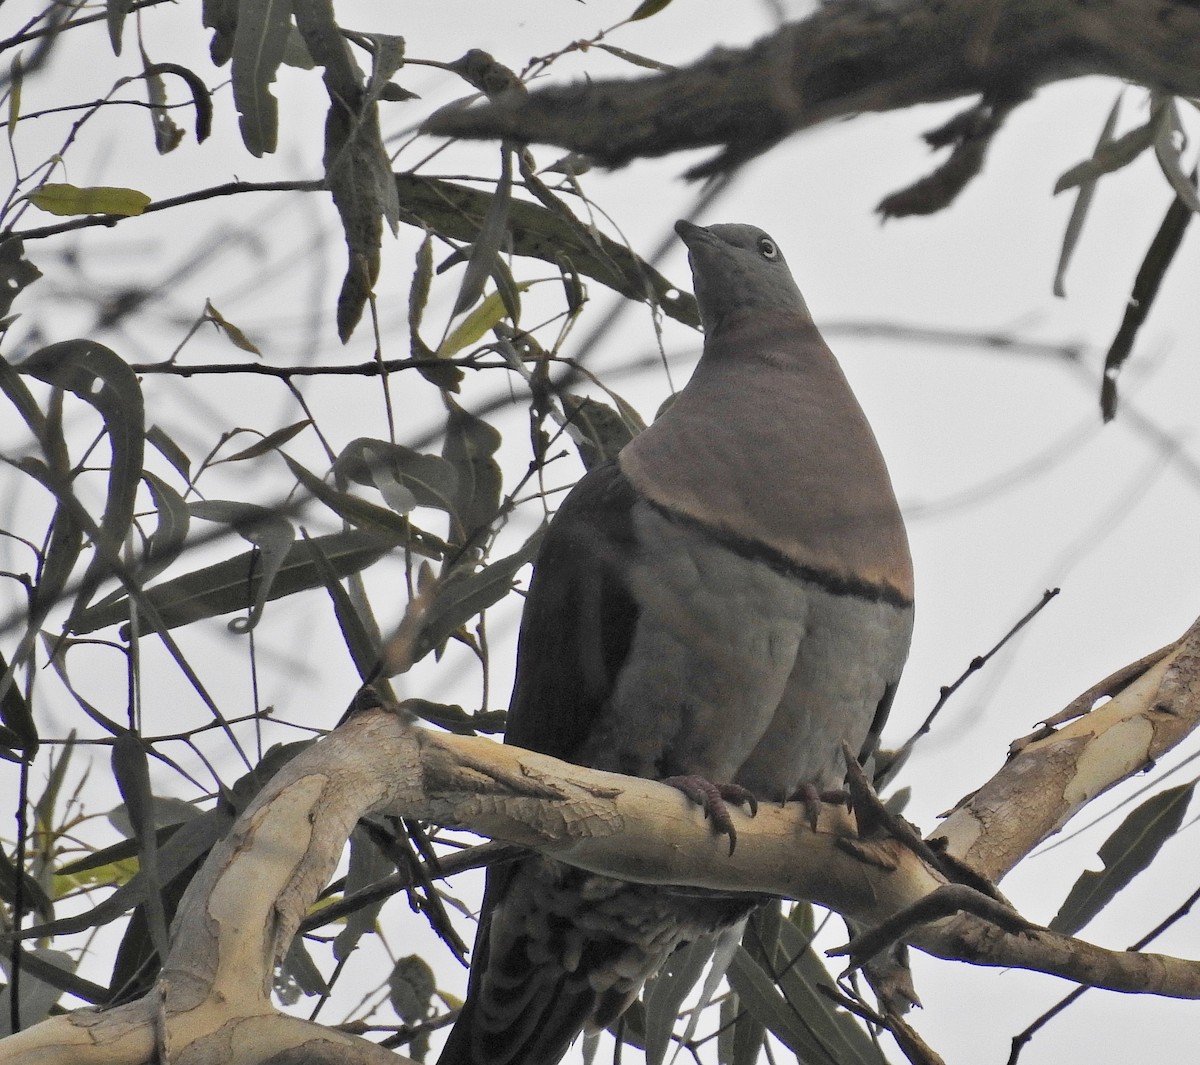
<point x="738" y="268"/>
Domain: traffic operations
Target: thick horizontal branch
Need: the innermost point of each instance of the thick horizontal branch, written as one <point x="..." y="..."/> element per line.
<point x="1052" y="777"/>
<point x="848" y="57"/>
<point x="212" y="1002"/>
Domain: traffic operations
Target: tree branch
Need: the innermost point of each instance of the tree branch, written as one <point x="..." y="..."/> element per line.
<point x="848" y="57"/>
<point x="242" y="909"/>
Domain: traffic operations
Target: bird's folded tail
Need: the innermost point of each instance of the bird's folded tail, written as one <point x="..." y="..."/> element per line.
<point x="563" y="950"/>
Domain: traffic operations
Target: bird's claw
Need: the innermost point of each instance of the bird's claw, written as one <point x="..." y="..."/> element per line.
<point x="713" y="799"/>
<point x="813" y="798"/>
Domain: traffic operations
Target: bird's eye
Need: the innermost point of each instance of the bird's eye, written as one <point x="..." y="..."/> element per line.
<point x="768" y="249"/>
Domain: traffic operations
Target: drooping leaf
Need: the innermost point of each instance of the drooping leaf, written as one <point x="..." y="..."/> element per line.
<point x="38" y="995"/>
<point x="115" y="12"/>
<point x="411" y="987"/>
<point x="36" y="899"/>
<point x="270" y="532"/>
<point x="666" y="993"/>
<point x="131" y="771"/>
<point x="1126" y="853"/>
<point x="470" y="447"/>
<point x="166" y="542"/>
<point x="1169" y="142"/>
<point x="1113" y="154"/>
<point x="296" y="53"/>
<point x="633" y="58"/>
<point x="235" y="335"/>
<point x="17" y="716"/>
<point x="362" y="645"/>
<point x="1083" y="201"/>
<point x="167" y="135"/>
<point x="63" y="199"/>
<point x="16" y="82"/>
<point x="801" y="971"/>
<point x="298" y="974"/>
<point x="1159" y="257"/>
<point x="100" y="378"/>
<point x="368" y="864"/>
<point x="367" y="516"/>
<point x="201" y="97"/>
<point x="258" y="44"/>
<point x="220" y="16"/>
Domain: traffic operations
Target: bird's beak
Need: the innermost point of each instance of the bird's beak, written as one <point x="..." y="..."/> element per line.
<point x="690" y="233"/>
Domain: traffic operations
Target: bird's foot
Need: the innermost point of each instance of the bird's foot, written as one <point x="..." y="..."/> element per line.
<point x="813" y="798"/>
<point x="713" y="799"/>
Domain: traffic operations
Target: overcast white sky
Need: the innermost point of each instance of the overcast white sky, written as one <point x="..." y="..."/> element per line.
<point x="1110" y="513"/>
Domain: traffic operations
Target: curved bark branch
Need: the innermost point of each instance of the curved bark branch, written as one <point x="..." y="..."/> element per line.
<point x="848" y="57"/>
<point x="237" y="919"/>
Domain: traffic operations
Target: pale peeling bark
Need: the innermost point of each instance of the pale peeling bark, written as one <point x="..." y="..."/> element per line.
<point x="212" y="1003"/>
<point x="852" y="56"/>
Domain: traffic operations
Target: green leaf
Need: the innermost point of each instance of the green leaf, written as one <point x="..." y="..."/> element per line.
<point x="131" y="771"/>
<point x="647" y="8"/>
<point x="666" y="993"/>
<point x="634" y="58"/>
<point x="1159" y="256"/>
<point x="367" y="516"/>
<point x="479" y="321"/>
<point x="1113" y="154"/>
<point x="220" y="16"/>
<point x="1168" y="147"/>
<point x="1083" y="201"/>
<point x="165" y="544"/>
<point x="1128" y="851"/>
<point x="100" y="378"/>
<point x="801" y="971"/>
<point x="602" y="432"/>
<point x="167" y="135"/>
<point x="362" y="645"/>
<point x="236" y="336"/>
<point x="270" y="442"/>
<point x="387" y="56"/>
<point x="404" y="477"/>
<point x="37" y="995"/>
<point x="491" y="235"/>
<point x="115" y="12"/>
<point x="269" y="531"/>
<point x="63" y="199"/>
<point x="368" y="864"/>
<point x="166" y="446"/>
<point x="464" y="594"/>
<point x="17" y="716"/>
<point x="16" y="273"/>
<point x="457" y="211"/>
<point x="258" y="45"/>
<point x="411" y="987"/>
<point x="470" y="447"/>
<point x="232" y="585"/>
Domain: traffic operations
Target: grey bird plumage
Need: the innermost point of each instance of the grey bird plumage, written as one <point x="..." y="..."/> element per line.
<point x="730" y="600"/>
